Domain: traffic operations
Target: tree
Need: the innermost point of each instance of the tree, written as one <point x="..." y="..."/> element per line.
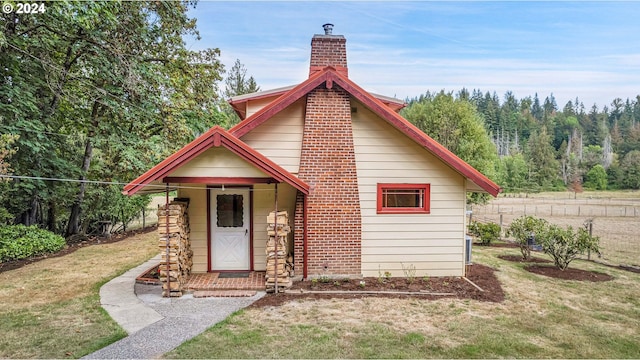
<point x="526" y="230"/>
<point x="236" y="83"/>
<point x="99" y="91"/>
<point x="456" y="125"/>
<point x="596" y="178"/>
<point x="564" y="245"/>
<point x="630" y="169"/>
<point x="540" y="155"/>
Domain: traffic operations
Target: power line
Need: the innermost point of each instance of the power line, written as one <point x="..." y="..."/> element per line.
<point x="102" y="182"/>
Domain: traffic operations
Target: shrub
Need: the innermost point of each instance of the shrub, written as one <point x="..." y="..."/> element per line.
<point x="20" y="242"/>
<point x="564" y="245"/>
<point x="525" y="228"/>
<point x="487" y="233"/>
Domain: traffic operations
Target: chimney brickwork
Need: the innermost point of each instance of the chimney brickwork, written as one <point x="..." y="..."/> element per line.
<point x="328" y="50"/>
<point x="328" y="165"/>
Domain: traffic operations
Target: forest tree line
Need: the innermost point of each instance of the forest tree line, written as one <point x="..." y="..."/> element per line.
<point x="529" y="145"/>
<point x="93" y="94"/>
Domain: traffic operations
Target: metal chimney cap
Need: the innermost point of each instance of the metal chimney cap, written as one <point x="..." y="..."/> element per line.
<point x="328" y="28"/>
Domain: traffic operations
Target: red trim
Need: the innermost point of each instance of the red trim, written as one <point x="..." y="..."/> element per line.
<point x="208" y="229"/>
<point x="215" y="135"/>
<point x="251" y="228"/>
<point x="426" y="209"/>
<point x="236" y="104"/>
<point x="209" y="220"/>
<point x="329" y="74"/>
<point x="279" y="104"/>
<point x="305" y="233"/>
<point x="217" y="180"/>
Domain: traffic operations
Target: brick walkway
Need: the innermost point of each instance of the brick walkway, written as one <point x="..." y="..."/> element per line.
<point x="211" y="282"/>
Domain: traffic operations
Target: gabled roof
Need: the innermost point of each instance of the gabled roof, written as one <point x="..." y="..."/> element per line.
<point x="215" y="137"/>
<point x="330" y="76"/>
<point x="238" y="102"/>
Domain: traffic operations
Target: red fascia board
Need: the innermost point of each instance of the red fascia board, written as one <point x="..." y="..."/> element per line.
<point x="189" y="151"/>
<point x="416" y="134"/>
<point x="278" y="105"/>
<point x="329" y="74"/>
<point x="217" y="180"/>
<point x="215" y="137"/>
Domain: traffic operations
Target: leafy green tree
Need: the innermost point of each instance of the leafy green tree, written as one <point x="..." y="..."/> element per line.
<point x="630" y="169"/>
<point x="596" y="178"/>
<point x="456" y="125"/>
<point x="564" y="244"/>
<point x="99" y="91"/>
<point x="540" y="155"/>
<point x="526" y="229"/>
<point x="512" y="174"/>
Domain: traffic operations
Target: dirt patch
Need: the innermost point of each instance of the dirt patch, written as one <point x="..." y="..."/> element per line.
<point x="569" y="274"/>
<point x="71" y="247"/>
<point x="481" y="275"/>
<point x="518" y="258"/>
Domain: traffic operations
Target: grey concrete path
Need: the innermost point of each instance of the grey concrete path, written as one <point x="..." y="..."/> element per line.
<point x="155" y="324"/>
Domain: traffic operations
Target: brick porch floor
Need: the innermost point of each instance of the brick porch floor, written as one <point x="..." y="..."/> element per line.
<point x="211" y="282"/>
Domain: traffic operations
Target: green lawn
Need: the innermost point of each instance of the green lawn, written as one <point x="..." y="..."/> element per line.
<point x="540" y="318"/>
<point x="51" y="308"/>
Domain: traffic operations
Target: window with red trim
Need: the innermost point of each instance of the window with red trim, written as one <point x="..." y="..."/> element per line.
<point x="404" y="198"/>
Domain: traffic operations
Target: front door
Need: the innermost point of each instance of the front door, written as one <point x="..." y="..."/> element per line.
<point x="230" y="227"/>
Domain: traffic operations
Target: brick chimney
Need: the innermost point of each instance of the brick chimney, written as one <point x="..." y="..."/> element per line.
<point x="328" y="50"/>
<point x="328" y="165"/>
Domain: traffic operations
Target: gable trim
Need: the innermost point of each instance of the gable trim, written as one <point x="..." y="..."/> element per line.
<point x="331" y="77"/>
<point x="215" y="137"/>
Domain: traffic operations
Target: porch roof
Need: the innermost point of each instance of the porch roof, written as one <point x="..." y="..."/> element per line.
<point x="215" y="137"/>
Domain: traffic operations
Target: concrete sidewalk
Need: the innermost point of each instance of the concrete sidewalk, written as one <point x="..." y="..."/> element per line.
<point x="155" y="324"/>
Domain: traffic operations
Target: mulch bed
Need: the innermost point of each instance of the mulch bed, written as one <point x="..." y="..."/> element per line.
<point x="73" y="246"/>
<point x="569" y="274"/>
<point x="518" y="258"/>
<point x="481" y="275"/>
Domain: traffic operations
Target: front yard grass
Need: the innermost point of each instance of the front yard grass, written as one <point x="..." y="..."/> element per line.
<point x="51" y="308"/>
<point x="540" y="318"/>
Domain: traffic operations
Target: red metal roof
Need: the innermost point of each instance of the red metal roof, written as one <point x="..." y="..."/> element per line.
<point x="329" y="76"/>
<point x="215" y="137"/>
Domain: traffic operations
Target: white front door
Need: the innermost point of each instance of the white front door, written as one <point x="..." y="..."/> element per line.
<point x="230" y="229"/>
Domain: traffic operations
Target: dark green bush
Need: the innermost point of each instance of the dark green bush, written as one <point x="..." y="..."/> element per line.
<point x="20" y="242"/>
<point x="487" y="233"/>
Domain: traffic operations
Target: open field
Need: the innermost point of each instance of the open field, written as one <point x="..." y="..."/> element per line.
<point x="615" y="215"/>
<point x="540" y="318"/>
<point x="51" y="308"/>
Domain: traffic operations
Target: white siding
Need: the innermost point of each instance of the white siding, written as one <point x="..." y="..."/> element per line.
<point x="433" y="243"/>
<point x="263" y="204"/>
<point x="197" y="194"/>
<point x="280" y="137"/>
<point x="218" y="162"/>
<point x="254" y="106"/>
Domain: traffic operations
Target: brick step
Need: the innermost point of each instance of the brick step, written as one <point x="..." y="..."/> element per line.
<point x="223" y="293"/>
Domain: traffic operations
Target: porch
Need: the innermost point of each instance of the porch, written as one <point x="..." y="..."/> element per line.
<point x="213" y="284"/>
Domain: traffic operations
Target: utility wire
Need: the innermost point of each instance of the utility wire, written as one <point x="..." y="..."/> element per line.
<point x="100" y="182"/>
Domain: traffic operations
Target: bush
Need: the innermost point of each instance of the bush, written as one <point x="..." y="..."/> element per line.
<point x="564" y="245"/>
<point x="525" y="228"/>
<point x="486" y="232"/>
<point x="20" y="242"/>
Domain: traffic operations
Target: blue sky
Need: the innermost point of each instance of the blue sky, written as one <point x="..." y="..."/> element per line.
<point x="586" y="49"/>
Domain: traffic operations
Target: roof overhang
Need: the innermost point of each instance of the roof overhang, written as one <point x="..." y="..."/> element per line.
<point x="151" y="181"/>
<point x="238" y="103"/>
<point x="328" y="77"/>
